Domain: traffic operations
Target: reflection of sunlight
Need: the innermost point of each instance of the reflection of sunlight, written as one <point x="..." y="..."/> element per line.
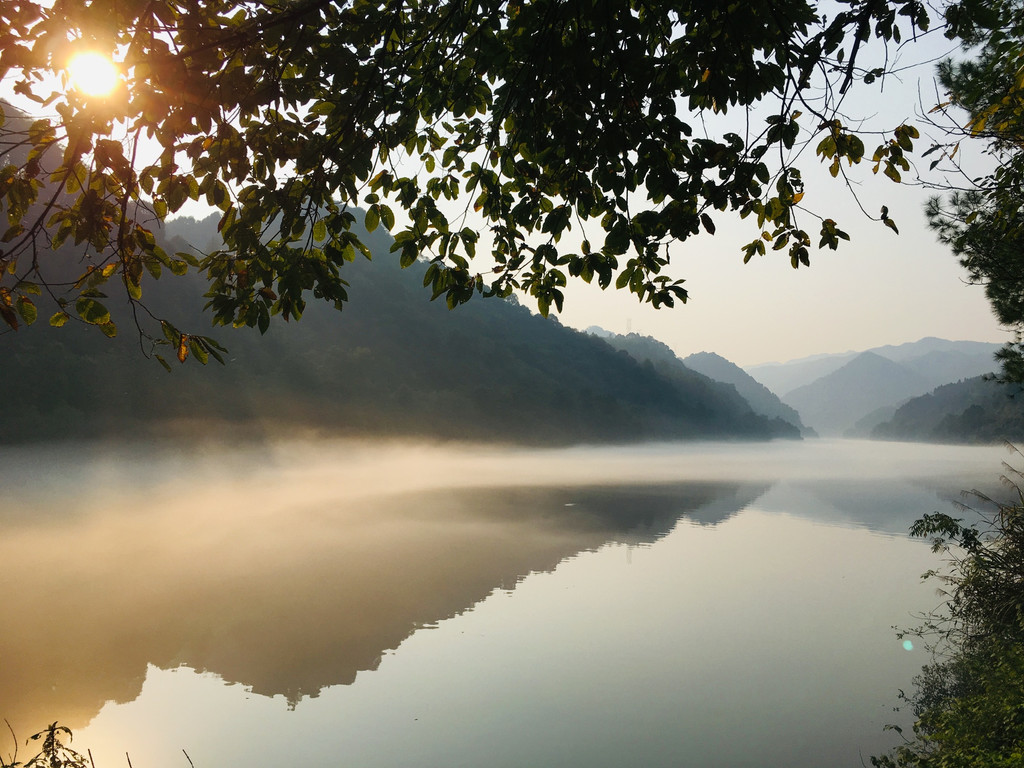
<point x="93" y="73"/>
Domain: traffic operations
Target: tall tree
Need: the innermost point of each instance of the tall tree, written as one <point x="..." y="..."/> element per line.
<point x="616" y="117"/>
<point x="983" y="223"/>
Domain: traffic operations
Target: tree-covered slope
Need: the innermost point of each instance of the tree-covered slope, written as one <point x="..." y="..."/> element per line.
<point x="977" y="410"/>
<point x="661" y="357"/>
<point x="391" y="364"/>
<point x="761" y="399"/>
<point x="834" y="403"/>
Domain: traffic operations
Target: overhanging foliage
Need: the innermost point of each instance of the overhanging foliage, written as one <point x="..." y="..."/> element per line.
<point x="532" y="119"/>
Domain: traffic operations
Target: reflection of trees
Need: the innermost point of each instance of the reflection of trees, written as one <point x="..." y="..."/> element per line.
<point x="287" y="600"/>
<point x="967" y="702"/>
<point x="885" y="506"/>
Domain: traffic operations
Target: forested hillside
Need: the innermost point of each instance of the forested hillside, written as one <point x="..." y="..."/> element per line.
<point x="719" y="378"/>
<point x="834" y="403"/>
<point x="392" y="364"/>
<point x="761" y="399"/>
<point x="977" y="410"/>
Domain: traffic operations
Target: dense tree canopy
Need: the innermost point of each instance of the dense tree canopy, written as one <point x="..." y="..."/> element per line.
<point x="462" y="126"/>
<point x="984" y="221"/>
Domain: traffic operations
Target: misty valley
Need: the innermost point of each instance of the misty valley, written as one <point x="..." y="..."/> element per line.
<point x="408" y="603"/>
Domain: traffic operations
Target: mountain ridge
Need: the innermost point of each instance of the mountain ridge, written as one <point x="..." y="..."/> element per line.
<point x="391" y="364"/>
<point x="782" y="378"/>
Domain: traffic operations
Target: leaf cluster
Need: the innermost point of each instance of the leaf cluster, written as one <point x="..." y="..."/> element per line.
<point x="553" y="122"/>
<point x="983" y="224"/>
<point x="968" y="703"/>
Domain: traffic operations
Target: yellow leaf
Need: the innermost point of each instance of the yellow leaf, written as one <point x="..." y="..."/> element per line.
<point x="182" y="348"/>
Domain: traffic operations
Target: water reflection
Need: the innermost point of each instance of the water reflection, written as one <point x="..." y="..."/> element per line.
<point x="292" y="569"/>
<point x="291" y="599"/>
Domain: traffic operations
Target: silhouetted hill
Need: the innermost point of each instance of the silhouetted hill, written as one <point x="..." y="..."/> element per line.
<point x="977" y="410"/>
<point x="834" y="403"/>
<point x="392" y="364"/>
<point x="760" y="398"/>
<point x="664" y="360"/>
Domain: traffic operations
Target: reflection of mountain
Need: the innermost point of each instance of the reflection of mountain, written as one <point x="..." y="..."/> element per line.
<point x="242" y="579"/>
<point x="883" y="505"/>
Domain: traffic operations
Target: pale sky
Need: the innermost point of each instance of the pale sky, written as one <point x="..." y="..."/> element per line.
<point x="880" y="288"/>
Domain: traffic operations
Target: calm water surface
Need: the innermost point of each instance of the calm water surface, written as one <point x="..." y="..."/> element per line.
<point x="339" y="604"/>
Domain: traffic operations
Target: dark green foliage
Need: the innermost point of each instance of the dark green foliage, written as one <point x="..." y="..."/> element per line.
<point x="984" y="224"/>
<point x="978" y="410"/>
<point x="585" y="135"/>
<point x="969" y="703"/>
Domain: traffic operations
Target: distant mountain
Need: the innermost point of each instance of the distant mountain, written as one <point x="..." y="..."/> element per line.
<point x="782" y="378"/>
<point x="976" y="410"/>
<point x="866" y="423"/>
<point x="835" y="402"/>
<point x="665" y="361"/>
<point x="761" y="399"/>
<point x="931" y="346"/>
<point x="392" y="364"/>
<point x="938" y="361"/>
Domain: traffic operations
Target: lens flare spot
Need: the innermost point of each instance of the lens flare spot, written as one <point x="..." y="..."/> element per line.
<point x="93" y="73"/>
<point x="908" y="645"/>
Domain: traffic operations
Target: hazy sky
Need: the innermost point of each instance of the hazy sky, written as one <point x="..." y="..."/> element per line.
<point x="879" y="288"/>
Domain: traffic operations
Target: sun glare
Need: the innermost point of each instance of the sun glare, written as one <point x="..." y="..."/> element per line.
<point x="93" y="73"/>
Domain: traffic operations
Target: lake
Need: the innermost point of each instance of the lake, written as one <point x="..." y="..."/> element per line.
<point x="336" y="603"/>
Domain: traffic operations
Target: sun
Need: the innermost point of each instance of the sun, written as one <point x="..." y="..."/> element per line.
<point x="93" y="73"/>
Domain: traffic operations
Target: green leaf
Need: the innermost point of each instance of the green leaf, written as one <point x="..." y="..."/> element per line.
<point x="59" y="318"/>
<point x="92" y="311"/>
<point x="198" y="351"/>
<point x="387" y="217"/>
<point x="172" y="334"/>
<point x="372" y="219"/>
<point x="26" y="309"/>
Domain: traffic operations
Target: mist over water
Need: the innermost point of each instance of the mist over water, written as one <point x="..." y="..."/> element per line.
<point x="413" y="604"/>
